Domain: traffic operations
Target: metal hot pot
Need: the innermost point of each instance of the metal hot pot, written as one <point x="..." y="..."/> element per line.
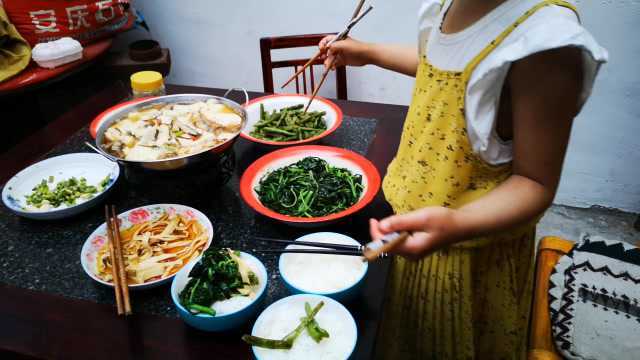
<point x="211" y="156"/>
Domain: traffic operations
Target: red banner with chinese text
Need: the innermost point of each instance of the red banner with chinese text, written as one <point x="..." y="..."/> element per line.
<point x="86" y="21"/>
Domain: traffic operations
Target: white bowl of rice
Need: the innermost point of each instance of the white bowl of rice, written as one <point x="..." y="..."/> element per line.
<point x="337" y="276"/>
<point x="279" y="318"/>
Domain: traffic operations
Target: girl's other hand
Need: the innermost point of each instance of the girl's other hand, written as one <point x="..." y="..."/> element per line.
<point x="431" y="228"/>
<point x="345" y="52"/>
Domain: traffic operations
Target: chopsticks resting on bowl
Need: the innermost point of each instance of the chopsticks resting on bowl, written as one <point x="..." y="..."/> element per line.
<point x="118" y="271"/>
<point x="314" y="244"/>
<point x="323" y="248"/>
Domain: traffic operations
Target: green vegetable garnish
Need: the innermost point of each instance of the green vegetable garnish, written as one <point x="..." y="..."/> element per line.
<point x="217" y="276"/>
<point x="313" y="328"/>
<point x="105" y="182"/>
<point x="309" y="188"/>
<point x="289" y="124"/>
<point x="65" y="192"/>
<point x="307" y="322"/>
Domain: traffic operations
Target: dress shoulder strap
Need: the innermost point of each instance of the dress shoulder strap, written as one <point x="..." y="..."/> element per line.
<point x="498" y="40"/>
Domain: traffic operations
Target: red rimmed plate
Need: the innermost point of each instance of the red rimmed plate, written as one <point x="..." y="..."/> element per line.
<point x="333" y="117"/>
<point x="284" y="157"/>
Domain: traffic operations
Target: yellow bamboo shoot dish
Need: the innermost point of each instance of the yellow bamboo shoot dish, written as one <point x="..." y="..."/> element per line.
<point x="155" y="249"/>
<point x="164" y="131"/>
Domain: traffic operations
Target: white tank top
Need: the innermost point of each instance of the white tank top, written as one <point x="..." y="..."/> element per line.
<point x="551" y="27"/>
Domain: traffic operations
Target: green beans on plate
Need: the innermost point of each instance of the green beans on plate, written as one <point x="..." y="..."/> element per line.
<point x="309" y="188"/>
<point x="289" y="124"/>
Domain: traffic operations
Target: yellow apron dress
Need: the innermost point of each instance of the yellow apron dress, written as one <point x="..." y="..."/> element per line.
<point x="472" y="299"/>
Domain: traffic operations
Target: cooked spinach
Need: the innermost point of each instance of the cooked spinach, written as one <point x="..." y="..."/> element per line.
<point x="289" y="124"/>
<point x="309" y="188"/>
<point x="215" y="277"/>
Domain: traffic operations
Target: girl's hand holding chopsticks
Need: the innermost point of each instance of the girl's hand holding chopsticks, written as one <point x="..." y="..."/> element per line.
<point x="347" y="52"/>
<point x="431" y="228"/>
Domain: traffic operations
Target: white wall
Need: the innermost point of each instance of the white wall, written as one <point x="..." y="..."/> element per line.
<point x="215" y="43"/>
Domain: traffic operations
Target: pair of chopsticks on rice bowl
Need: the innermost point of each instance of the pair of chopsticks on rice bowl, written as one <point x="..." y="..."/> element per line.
<point x="370" y="252"/>
<point x="120" y="285"/>
<point x="355" y="18"/>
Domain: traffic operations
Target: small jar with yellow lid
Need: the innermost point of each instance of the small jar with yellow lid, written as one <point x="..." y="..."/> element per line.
<point x="147" y="83"/>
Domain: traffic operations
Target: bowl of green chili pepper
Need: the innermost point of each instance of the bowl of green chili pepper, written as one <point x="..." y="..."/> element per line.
<point x="309" y="185"/>
<point x="281" y="120"/>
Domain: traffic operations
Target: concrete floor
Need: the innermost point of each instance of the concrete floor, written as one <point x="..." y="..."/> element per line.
<point x="570" y="223"/>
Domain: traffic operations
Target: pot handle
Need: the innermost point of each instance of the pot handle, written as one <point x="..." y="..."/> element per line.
<point x="246" y="95"/>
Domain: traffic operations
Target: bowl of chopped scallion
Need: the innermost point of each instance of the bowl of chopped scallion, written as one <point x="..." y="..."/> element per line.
<point x="60" y="186"/>
<point x="309" y="185"/>
<point x="280" y="120"/>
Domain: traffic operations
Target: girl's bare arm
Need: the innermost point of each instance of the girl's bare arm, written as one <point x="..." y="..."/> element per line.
<point x="545" y="90"/>
<point x="398" y="58"/>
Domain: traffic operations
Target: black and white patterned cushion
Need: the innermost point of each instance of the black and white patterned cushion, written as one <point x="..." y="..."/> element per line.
<point x="594" y="300"/>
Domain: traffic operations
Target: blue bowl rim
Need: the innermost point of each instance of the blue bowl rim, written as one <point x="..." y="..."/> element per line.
<point x="321" y="297"/>
<point x="326" y="293"/>
<point x="176" y="301"/>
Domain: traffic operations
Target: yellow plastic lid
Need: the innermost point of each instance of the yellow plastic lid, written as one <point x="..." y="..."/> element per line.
<point x="146" y="81"/>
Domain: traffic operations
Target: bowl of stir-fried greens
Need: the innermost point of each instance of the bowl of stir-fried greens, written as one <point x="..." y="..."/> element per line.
<point x="280" y="120"/>
<point x="309" y="185"/>
<point x="220" y="291"/>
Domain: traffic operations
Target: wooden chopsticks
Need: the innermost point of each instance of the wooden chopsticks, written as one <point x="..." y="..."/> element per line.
<point x="356" y="14"/>
<point x="118" y="271"/>
<point x="318" y="54"/>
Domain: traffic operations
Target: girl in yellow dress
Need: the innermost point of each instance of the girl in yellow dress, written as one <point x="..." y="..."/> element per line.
<point x="498" y="83"/>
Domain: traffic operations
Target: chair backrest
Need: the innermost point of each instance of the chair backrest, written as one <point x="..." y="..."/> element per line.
<point x="541" y="344"/>
<point x="305" y="83"/>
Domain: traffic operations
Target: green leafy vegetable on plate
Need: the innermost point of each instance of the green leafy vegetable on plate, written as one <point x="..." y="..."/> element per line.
<point x="309" y="188"/>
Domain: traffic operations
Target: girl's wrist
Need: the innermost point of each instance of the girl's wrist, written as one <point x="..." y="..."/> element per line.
<point x="463" y="225"/>
<point x="369" y="53"/>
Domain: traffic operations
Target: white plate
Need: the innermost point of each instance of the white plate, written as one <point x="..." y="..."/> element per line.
<point x="333" y="317"/>
<point x="92" y="167"/>
<point x="332" y="118"/>
<point x="98" y="238"/>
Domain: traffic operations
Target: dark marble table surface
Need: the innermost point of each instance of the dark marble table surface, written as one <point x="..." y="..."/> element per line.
<point x="51" y="309"/>
<point x="45" y="255"/>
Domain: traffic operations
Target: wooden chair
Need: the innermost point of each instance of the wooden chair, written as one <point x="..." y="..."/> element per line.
<point x="295" y="41"/>
<point x="541" y="345"/>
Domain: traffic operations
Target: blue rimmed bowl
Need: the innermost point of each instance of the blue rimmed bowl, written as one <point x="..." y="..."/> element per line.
<point x="93" y="167"/>
<point x="223" y="321"/>
<point x="334" y="276"/>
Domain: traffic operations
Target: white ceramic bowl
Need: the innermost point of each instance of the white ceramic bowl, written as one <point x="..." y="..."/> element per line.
<point x="332" y="118"/>
<point x="333" y="317"/>
<point x="339" y="277"/>
<point x="98" y="238"/>
<point x="92" y="167"/>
